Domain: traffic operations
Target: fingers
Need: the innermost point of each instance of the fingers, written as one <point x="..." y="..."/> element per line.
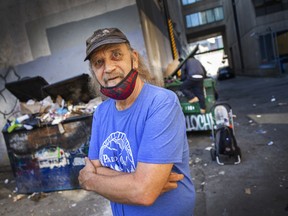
<point x="87" y="161"/>
<point x="174" y="177"/>
<point x="86" y="173"/>
<point x="88" y="165"/>
<point x="169" y="186"/>
<point x="172" y="182"/>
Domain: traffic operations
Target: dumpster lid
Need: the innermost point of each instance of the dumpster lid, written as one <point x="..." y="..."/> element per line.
<point x="75" y="89"/>
<point x="28" y="88"/>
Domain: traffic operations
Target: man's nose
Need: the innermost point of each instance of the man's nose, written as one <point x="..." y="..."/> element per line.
<point x="109" y="66"/>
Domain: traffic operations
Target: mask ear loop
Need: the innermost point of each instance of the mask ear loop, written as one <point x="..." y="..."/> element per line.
<point x="132" y="63"/>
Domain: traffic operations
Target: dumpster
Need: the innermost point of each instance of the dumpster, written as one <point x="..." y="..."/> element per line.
<point x="195" y="121"/>
<point x="49" y="156"/>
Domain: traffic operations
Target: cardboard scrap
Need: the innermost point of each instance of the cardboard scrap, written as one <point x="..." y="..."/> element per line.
<point x="247" y="191"/>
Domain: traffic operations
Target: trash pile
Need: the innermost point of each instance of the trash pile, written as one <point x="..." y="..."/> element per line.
<point x="52" y="109"/>
<point x="38" y="113"/>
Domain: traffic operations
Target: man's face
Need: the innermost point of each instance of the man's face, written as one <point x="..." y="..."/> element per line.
<point x="112" y="63"/>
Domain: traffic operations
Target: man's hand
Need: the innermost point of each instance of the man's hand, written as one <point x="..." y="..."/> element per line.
<point x="172" y="182"/>
<point x="86" y="174"/>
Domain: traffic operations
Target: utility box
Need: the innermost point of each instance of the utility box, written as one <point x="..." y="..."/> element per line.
<point x="49" y="157"/>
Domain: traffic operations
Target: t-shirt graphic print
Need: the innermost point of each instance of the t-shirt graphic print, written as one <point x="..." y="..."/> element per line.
<point x="116" y="153"/>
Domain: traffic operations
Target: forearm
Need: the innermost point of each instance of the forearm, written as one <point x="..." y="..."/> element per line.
<point x="141" y="187"/>
<point x="117" y="188"/>
<point x="108" y="172"/>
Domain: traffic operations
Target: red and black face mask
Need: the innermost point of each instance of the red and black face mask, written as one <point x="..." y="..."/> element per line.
<point x="122" y="90"/>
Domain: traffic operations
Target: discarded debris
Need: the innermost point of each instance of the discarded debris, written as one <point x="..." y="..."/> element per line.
<point x="74" y="205"/>
<point x="258" y="116"/>
<point x="190" y="161"/>
<point x="236" y="123"/>
<point x="61" y="128"/>
<point x="37" y="196"/>
<point x="270" y="143"/>
<point x="221" y="173"/>
<point x="261" y="131"/>
<point x="6" y="181"/>
<point x="18" y="197"/>
<point x="27" y="127"/>
<point x="247" y="191"/>
<point x="282" y="104"/>
<point x="208" y="148"/>
<point x="15" y="190"/>
<point x="273" y="99"/>
<point x="202" y="186"/>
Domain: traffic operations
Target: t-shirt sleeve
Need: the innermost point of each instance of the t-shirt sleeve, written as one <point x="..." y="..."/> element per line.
<point x="93" y="152"/>
<point x="164" y="133"/>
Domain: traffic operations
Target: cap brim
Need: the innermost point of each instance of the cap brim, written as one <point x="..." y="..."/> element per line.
<point x="104" y="42"/>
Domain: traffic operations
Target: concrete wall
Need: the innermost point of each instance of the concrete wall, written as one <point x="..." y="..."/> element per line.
<point x="250" y="28"/>
<point x="24" y="23"/>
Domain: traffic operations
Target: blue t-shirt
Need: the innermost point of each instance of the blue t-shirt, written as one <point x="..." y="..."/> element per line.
<point x="152" y="130"/>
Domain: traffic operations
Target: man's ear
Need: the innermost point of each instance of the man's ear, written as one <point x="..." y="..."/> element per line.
<point x="135" y="59"/>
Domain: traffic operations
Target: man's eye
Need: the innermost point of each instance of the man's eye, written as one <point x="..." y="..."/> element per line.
<point x="116" y="55"/>
<point x="98" y="63"/>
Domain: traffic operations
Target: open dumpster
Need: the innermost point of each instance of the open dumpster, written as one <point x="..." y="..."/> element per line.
<point x="49" y="156"/>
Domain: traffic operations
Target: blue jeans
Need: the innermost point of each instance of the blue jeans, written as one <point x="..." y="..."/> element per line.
<point x="194" y="88"/>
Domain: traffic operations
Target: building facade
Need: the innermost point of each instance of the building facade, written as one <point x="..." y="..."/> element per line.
<point x="254" y="32"/>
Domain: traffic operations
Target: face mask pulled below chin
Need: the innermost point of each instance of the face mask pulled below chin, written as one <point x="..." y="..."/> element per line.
<point x="123" y="89"/>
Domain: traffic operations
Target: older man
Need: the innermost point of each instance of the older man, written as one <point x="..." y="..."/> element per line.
<point x="138" y="154"/>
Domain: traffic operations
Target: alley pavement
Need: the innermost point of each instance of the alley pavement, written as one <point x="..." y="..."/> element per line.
<point x="258" y="186"/>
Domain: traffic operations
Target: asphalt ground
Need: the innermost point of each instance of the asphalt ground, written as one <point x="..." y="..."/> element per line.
<point x="258" y="186"/>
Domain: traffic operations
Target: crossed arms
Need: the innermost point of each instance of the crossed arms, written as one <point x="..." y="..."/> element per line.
<point x="141" y="187"/>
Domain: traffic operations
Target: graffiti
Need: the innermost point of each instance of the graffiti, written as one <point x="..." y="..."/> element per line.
<point x="199" y="122"/>
<point x="9" y="106"/>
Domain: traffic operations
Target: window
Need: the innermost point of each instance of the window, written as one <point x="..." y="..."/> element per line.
<point x="210" y="16"/>
<point x="266" y="48"/>
<point x="187" y="2"/>
<point x="218" y="12"/>
<point x="192" y="19"/>
<point x="264" y="7"/>
<point x="204" y="17"/>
